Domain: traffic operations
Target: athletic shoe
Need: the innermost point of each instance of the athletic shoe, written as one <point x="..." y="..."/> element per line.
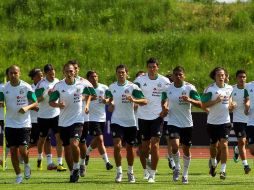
<point x="236" y="154"/>
<point x="247" y="169"/>
<point x="19" y="179"/>
<point x="185" y="180"/>
<point x="87" y="159"/>
<point x="146" y="175"/>
<point x="61" y="168"/>
<point x="171" y="163"/>
<point x="75" y="176"/>
<point x="39" y="164"/>
<point x="222" y="175"/>
<point x="52" y="166"/>
<point x="212" y="171"/>
<point x="27" y="172"/>
<point x="151" y="179"/>
<point x="109" y="166"/>
<point x="131" y="177"/>
<point x="82" y="170"/>
<point x="176" y="174"/>
<point x="119" y="177"/>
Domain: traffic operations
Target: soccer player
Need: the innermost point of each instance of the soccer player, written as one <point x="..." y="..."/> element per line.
<point x="181" y="96"/>
<point x="97" y="118"/>
<point x="150" y="116"/>
<point x="17" y="95"/>
<point x="239" y="118"/>
<point x="67" y="95"/>
<point x="123" y="123"/>
<point x="48" y="119"/>
<point x="217" y="98"/>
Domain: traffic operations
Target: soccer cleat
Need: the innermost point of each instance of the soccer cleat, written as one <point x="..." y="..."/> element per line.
<point x="61" y="168"/>
<point x="212" y="171"/>
<point x="176" y="174"/>
<point x="222" y="175"/>
<point x="27" y="172"/>
<point x="236" y="154"/>
<point x="52" y="166"/>
<point x="247" y="169"/>
<point x="151" y="179"/>
<point x="146" y="175"/>
<point x="171" y="163"/>
<point x="19" y="179"/>
<point x="185" y="180"/>
<point x="119" y="177"/>
<point x="131" y="177"/>
<point x="82" y="170"/>
<point x="109" y="166"/>
<point x="39" y="164"/>
<point x="87" y="159"/>
<point x="75" y="176"/>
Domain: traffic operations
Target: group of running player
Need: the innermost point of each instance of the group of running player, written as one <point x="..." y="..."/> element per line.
<point x="142" y="111"/>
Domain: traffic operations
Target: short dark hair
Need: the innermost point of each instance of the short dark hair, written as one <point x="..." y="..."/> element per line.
<point x="238" y="72"/>
<point x="139" y="73"/>
<point x="34" y="72"/>
<point x="89" y="73"/>
<point x="152" y="60"/>
<point x="67" y="65"/>
<point x="122" y="66"/>
<point x="48" y="68"/>
<point x="178" y="68"/>
<point x="213" y="72"/>
<point x="74" y="62"/>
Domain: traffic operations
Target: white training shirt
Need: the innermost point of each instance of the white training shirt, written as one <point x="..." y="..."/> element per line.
<point x="71" y="95"/>
<point x="238" y="96"/>
<point x="250" y="90"/>
<point x="218" y="113"/>
<point x="179" y="110"/>
<point x="123" y="113"/>
<point x="15" y="98"/>
<point x="42" y="89"/>
<point x="97" y="107"/>
<point x="1" y="108"/>
<point x="152" y="90"/>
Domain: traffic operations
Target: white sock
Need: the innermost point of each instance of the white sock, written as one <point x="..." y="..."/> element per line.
<point x="82" y="161"/>
<point x="176" y="158"/>
<point x="25" y="165"/>
<point x="214" y="162"/>
<point x="75" y="166"/>
<point x="245" y="163"/>
<point x="152" y="173"/>
<point x="170" y="158"/>
<point x="149" y="156"/>
<point x="130" y="169"/>
<point x="119" y="169"/>
<point x="186" y="164"/>
<point x="49" y="159"/>
<point x="60" y="160"/>
<point x="223" y="167"/>
<point x="89" y="150"/>
<point x="105" y="158"/>
<point x="40" y="156"/>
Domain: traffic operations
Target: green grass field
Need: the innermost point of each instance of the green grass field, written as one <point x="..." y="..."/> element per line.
<point x="98" y="178"/>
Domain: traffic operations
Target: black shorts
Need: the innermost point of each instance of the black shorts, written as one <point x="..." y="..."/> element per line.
<point x="150" y="128"/>
<point x="17" y="136"/>
<point x="46" y="124"/>
<point x="73" y="131"/>
<point x="2" y="124"/>
<point x="184" y="134"/>
<point x="127" y="134"/>
<point x="250" y="134"/>
<point x="35" y="133"/>
<point x="138" y="138"/>
<point x="96" y="128"/>
<point x="217" y="132"/>
<point x="240" y="129"/>
<point x="84" y="132"/>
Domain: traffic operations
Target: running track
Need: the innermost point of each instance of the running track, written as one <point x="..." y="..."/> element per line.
<point x="197" y="152"/>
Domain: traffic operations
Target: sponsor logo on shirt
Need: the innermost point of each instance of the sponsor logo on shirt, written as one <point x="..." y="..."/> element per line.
<point x="156" y="92"/>
<point x="159" y="85"/>
<point x="21" y="100"/>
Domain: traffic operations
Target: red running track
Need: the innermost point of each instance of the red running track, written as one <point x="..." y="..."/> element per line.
<point x="197" y="152"/>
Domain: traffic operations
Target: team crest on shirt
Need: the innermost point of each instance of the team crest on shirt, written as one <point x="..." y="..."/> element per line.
<point x="101" y="92"/>
<point x="78" y="90"/>
<point x="7" y="92"/>
<point x="234" y="94"/>
<point x="126" y="91"/>
<point x="184" y="93"/>
<point x="21" y="91"/>
<point x="114" y="91"/>
<point x="159" y="85"/>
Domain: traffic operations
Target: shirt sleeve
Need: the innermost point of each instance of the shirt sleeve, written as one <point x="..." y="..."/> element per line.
<point x="246" y="94"/>
<point x="164" y="96"/>
<point x="206" y="97"/>
<point x="54" y="96"/>
<point x="31" y="96"/>
<point x="39" y="92"/>
<point x="194" y="95"/>
<point x="108" y="94"/>
<point x="89" y="91"/>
